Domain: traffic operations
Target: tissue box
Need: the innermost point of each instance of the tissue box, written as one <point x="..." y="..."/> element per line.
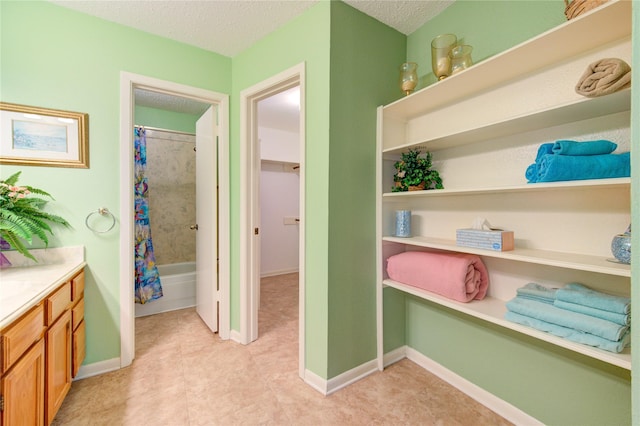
<point x="479" y="238"/>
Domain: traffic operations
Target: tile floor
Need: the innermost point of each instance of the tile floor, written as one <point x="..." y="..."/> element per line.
<point x="184" y="375"/>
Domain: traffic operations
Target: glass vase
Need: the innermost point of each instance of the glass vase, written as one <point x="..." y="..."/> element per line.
<point x="408" y="77"/>
<point x="460" y="58"/>
<point x="440" y="60"/>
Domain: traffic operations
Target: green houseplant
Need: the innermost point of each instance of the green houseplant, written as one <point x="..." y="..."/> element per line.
<point x="22" y="217"/>
<point x="414" y="172"/>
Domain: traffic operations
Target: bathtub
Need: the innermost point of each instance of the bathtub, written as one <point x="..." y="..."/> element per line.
<point x="178" y="289"/>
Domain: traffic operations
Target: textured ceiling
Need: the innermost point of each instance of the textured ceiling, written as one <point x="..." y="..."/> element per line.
<point x="229" y="27"/>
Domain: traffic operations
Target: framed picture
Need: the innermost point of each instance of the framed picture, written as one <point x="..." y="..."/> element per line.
<point x="35" y="136"/>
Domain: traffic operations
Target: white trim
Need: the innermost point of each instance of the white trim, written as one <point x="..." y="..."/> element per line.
<point x="129" y="82"/>
<point x="97" y="368"/>
<point x="351" y="376"/>
<point x="489" y="400"/>
<point x="315" y="381"/>
<point x="379" y="254"/>
<point x="327" y="387"/>
<point x="235" y="336"/>
<point x="395" y="356"/>
<point x="278" y="272"/>
<point x="249" y="170"/>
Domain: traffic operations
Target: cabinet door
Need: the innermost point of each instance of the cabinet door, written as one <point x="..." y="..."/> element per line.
<point x="58" y="383"/>
<point x="78" y="348"/>
<point x="23" y="390"/>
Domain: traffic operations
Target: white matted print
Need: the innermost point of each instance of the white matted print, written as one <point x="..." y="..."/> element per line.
<point x="36" y="136"/>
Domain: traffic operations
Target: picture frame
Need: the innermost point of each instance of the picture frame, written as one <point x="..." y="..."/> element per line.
<point x="34" y="136"/>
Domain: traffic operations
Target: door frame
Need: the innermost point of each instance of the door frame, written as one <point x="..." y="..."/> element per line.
<point x="250" y="203"/>
<point x="128" y="83"/>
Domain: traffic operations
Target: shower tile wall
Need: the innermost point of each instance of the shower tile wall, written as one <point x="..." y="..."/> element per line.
<point x="171" y="168"/>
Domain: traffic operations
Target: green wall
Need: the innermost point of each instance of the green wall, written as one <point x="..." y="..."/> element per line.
<point x="305" y="39"/>
<point x="53" y="57"/>
<point x="365" y="60"/>
<point x="488" y="26"/>
<point x="163" y="119"/>
<point x="342" y="98"/>
<point x="554" y="385"/>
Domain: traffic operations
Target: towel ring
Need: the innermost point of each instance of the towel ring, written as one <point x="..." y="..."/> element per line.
<point x="102" y="211"/>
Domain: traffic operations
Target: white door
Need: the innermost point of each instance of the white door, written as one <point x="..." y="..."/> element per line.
<point x="207" y="219"/>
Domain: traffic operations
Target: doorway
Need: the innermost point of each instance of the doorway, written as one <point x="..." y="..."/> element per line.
<point x="250" y="237"/>
<point x="219" y="111"/>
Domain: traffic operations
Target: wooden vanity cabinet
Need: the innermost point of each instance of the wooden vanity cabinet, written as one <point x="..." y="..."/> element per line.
<point x="41" y="352"/>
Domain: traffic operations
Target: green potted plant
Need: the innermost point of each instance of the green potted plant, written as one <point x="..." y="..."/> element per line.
<point x="22" y="217"/>
<point x="414" y="173"/>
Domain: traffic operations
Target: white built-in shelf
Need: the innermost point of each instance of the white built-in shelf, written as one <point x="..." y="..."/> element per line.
<point x="408" y="123"/>
<point x="603" y="25"/>
<point x="580" y="108"/>
<point x="531" y="187"/>
<point x="582" y="262"/>
<point x="493" y="310"/>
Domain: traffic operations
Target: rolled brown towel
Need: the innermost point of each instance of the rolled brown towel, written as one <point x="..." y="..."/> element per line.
<point x="604" y="77"/>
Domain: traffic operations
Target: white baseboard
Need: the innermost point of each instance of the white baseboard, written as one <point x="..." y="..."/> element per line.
<point x="278" y="272"/>
<point x="394" y="356"/>
<point x="235" y="336"/>
<point x="327" y="387"/>
<point x="97" y="368"/>
<point x="315" y="381"/>
<point x="495" y="404"/>
<point x="345" y="379"/>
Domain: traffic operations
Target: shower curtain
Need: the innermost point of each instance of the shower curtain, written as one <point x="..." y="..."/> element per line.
<point x="147" y="283"/>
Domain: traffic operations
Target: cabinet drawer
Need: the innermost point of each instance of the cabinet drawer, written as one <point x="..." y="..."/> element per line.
<point x="20" y="335"/>
<point x="78" y="348"/>
<point x="77" y="314"/>
<point x="58" y="302"/>
<point x="77" y="286"/>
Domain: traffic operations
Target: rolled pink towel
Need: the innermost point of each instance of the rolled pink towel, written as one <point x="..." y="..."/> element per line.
<point x="604" y="77"/>
<point x="458" y="276"/>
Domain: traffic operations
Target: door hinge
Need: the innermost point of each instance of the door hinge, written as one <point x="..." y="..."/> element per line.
<point x="256" y="231"/>
<point x="1" y="402"/>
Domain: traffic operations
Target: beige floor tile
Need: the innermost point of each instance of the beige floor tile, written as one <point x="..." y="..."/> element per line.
<point x="185" y="375"/>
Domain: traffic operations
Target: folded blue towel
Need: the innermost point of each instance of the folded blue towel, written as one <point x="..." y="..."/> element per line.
<point x="570" y="334"/>
<point x="622" y="319"/>
<point x="544" y="149"/>
<point x="585" y="323"/>
<point x="553" y="168"/>
<point x="534" y="291"/>
<point x="532" y="171"/>
<point x="582" y="295"/>
<point x="599" y="147"/>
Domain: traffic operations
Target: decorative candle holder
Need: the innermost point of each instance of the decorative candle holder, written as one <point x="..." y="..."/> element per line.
<point x="403" y="223"/>
<point x="460" y="58"/>
<point x="408" y="77"/>
<point x="440" y="60"/>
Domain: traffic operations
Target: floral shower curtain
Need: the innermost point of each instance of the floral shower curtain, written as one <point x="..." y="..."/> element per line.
<point x="147" y="284"/>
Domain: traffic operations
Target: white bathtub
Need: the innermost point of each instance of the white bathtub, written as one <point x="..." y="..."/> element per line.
<point x="178" y="289"/>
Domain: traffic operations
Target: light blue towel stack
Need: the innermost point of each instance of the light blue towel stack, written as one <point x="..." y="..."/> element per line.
<point x="574" y="312"/>
<point x="571" y="160"/>
<point x="578" y="298"/>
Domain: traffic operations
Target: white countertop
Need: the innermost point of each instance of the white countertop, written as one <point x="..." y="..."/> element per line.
<point x="26" y="282"/>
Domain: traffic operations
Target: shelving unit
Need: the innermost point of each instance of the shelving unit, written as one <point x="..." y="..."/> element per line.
<point x="509" y="95"/>
<point x="493" y="310"/>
